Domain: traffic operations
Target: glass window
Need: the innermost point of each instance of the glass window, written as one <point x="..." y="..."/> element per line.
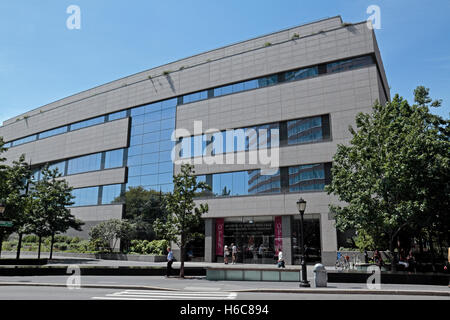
<point x="137" y="129"/>
<point x="61" y="166"/>
<point x="134" y="171"/>
<point x="197" y="96"/>
<point x="169" y="103"/>
<point x="149" y="169"/>
<point x="223" y="90"/>
<point x="167" y="124"/>
<point x="85" y="196"/>
<point x="305" y="130"/>
<point x="53" y="132"/>
<point x="267" y="81"/>
<point x="168" y="113"/>
<point x="151" y="137"/>
<point x="117" y="115"/>
<point x="137" y="111"/>
<point x="112" y="194"/>
<point x="84" y="164"/>
<point x="165" y="167"/>
<point x="87" y="123"/>
<point x="114" y="159"/>
<point x="152" y="117"/>
<point x="7" y="145"/>
<point x="18" y="142"/>
<point x="165" y="178"/>
<point x="301" y="73"/>
<point x="307" y="178"/>
<point x="238" y="87"/>
<point x="349" y="64"/>
<point x="150" y="147"/>
<point x="153" y="107"/>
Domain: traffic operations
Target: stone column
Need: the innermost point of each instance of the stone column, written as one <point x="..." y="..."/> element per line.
<point x="328" y="238"/>
<point x="210" y="240"/>
<point x="287" y="239"/>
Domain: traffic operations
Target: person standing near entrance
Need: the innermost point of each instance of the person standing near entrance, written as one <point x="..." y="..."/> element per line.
<point x="169" y="261"/>
<point x="233" y="253"/>
<point x="280" y="260"/>
<point x="226" y="253"/>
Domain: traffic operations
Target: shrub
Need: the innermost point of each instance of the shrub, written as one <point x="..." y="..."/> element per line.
<point x="155" y="247"/>
<point x="30" y="238"/>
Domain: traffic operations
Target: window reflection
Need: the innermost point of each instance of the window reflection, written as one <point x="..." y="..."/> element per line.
<point x="114" y="159"/>
<point x="307" y="178"/>
<point x="112" y="194"/>
<point x="85" y="196"/>
<point x="84" y="164"/>
<point x="305" y="130"/>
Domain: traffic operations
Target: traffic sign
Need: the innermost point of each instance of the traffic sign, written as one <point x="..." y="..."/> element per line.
<point x="7" y="224"/>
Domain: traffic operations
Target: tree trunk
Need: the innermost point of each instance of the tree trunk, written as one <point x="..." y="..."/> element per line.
<point x="393" y="260"/>
<point x="433" y="262"/>
<point x="182" y="255"/>
<point x="19" y="245"/>
<point x="39" y="247"/>
<point x="1" y="243"/>
<point x="51" y="245"/>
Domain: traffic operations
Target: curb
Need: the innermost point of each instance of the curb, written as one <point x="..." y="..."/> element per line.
<point x="353" y="291"/>
<point x="257" y="290"/>
<point x="85" y="286"/>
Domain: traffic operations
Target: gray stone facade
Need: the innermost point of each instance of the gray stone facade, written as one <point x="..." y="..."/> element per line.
<point x="340" y="95"/>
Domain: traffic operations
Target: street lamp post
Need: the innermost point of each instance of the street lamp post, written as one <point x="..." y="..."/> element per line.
<point x="301" y="206"/>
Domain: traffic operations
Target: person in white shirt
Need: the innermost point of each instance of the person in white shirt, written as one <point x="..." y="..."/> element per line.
<point x="280" y="260"/>
<point x="226" y="253"/>
<point x="233" y="253"/>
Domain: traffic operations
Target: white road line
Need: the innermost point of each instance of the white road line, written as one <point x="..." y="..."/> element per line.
<point x="199" y="289"/>
<point x="167" y="295"/>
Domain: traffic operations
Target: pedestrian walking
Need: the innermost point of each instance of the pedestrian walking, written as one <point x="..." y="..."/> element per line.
<point x="226" y="253"/>
<point x="169" y="262"/>
<point x="280" y="260"/>
<point x="233" y="253"/>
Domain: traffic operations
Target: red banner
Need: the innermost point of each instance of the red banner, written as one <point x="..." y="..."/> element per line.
<point x="278" y="235"/>
<point x="219" y="236"/>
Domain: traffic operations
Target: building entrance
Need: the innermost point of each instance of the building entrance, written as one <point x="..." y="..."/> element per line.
<point x="254" y="238"/>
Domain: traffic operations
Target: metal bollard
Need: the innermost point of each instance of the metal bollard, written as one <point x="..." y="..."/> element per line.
<point x="320" y="275"/>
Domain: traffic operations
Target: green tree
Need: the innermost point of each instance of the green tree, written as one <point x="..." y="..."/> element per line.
<point x="142" y="208"/>
<point x="394" y="176"/>
<point x="105" y="235"/>
<point x="4" y="232"/>
<point x="183" y="216"/>
<point x="17" y="199"/>
<point x="50" y="216"/>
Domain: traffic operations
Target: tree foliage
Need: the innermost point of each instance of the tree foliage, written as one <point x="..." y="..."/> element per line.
<point x="50" y="198"/>
<point x="395" y="173"/>
<point x="106" y="234"/>
<point x="142" y="208"/>
<point x="183" y="215"/>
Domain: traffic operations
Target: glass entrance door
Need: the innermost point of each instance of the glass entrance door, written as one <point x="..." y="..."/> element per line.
<point x="254" y="238"/>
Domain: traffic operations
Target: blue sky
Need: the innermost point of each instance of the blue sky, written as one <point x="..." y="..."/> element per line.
<point x="41" y="60"/>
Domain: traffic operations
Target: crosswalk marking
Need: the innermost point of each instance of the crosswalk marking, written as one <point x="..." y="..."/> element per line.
<point x="167" y="295"/>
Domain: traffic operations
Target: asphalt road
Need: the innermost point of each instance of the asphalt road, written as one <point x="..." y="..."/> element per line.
<point x="52" y="293"/>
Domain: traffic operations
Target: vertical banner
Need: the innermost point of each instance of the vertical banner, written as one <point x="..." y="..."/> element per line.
<point x="278" y="235"/>
<point x="219" y="236"/>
